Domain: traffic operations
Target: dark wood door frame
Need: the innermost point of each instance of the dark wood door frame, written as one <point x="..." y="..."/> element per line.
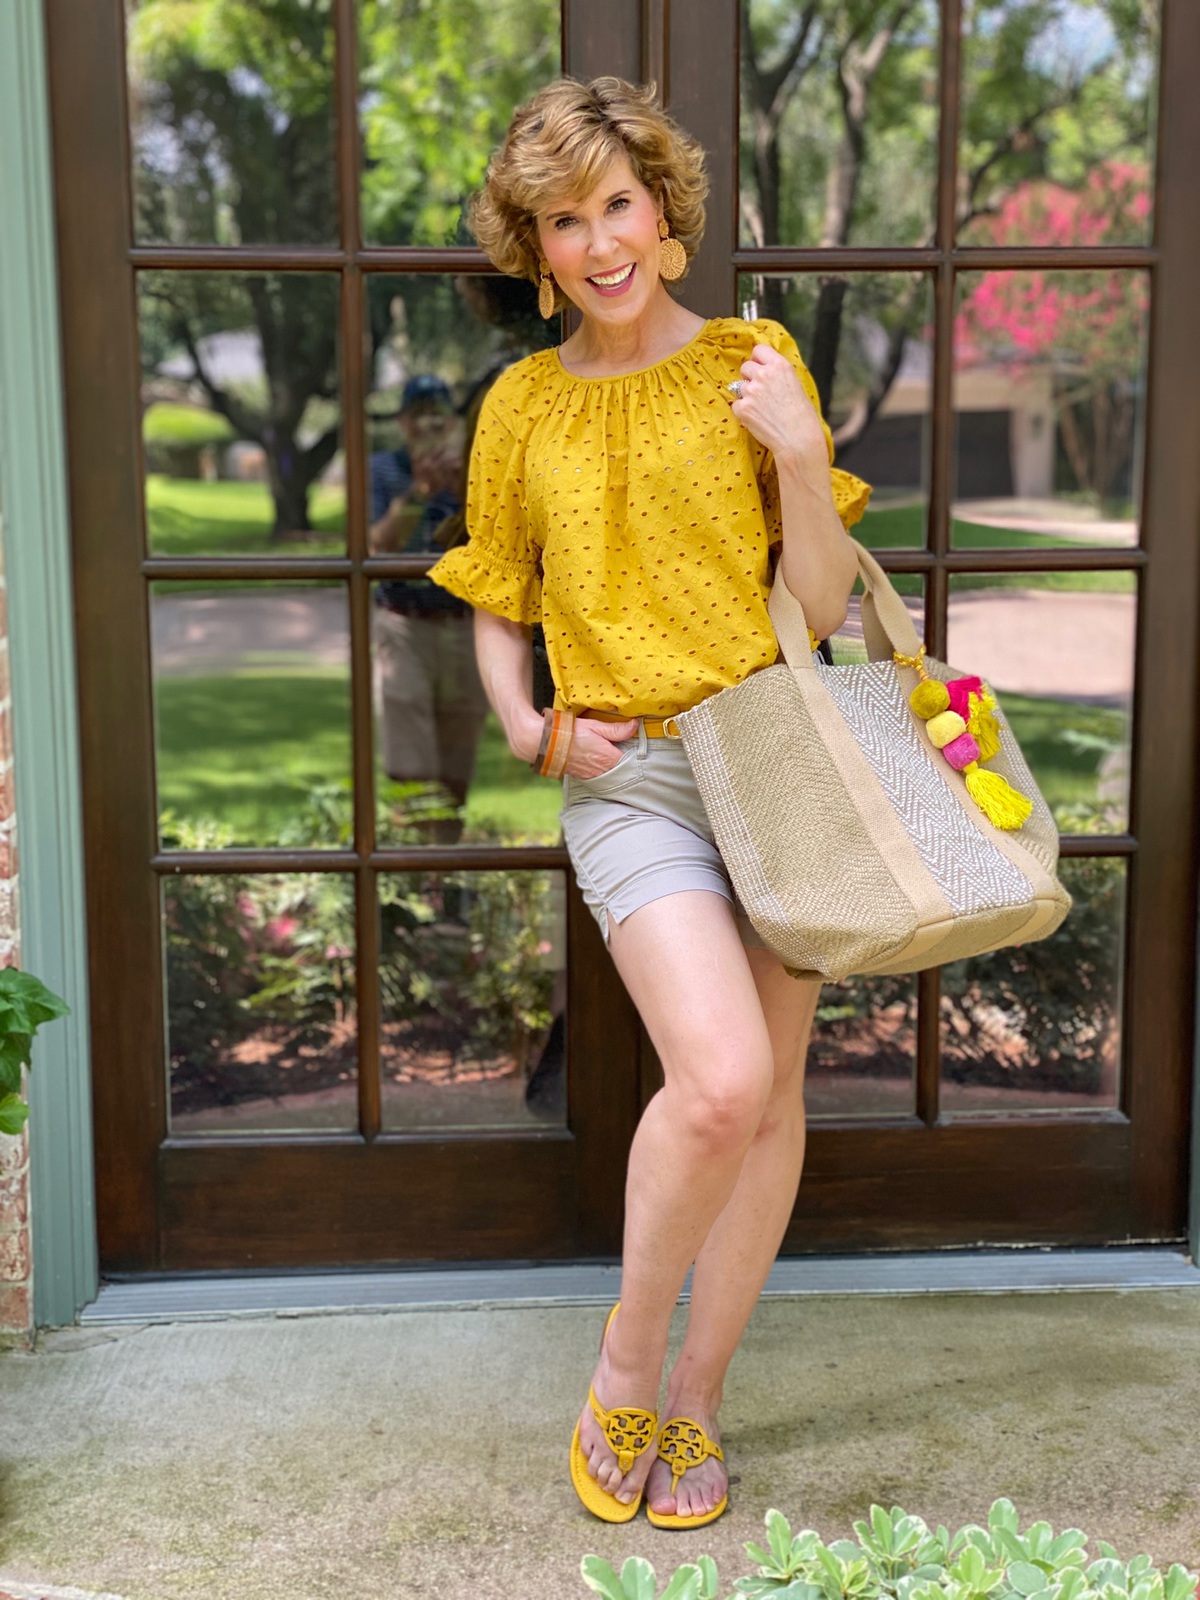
<point x="887" y="1183"/>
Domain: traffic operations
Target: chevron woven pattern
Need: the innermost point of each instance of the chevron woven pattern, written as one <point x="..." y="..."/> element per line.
<point x="970" y="871"/>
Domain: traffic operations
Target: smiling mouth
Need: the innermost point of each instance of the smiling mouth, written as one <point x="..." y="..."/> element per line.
<point x="612" y="280"/>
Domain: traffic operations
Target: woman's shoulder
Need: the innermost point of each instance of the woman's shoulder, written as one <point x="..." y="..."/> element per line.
<point x="519" y="390"/>
<point x="739" y="335"/>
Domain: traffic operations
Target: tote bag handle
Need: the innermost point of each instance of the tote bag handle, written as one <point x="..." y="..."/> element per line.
<point x="887" y="626"/>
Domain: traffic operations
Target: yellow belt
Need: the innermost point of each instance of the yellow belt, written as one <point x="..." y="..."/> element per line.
<point x="655" y="727"/>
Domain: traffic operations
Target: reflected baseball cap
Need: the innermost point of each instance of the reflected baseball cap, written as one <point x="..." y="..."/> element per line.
<point x="425" y="388"/>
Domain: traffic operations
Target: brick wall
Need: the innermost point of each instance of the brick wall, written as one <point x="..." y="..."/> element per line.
<point x="16" y="1268"/>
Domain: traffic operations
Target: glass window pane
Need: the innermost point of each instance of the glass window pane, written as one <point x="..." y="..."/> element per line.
<point x="1038" y="1027"/>
<point x="472" y="973"/>
<point x="1058" y="109"/>
<point x="1058" y="649"/>
<point x="232" y="123"/>
<point x="437" y="86"/>
<point x="438" y="342"/>
<point x="1049" y="397"/>
<point x="261" y="1024"/>
<point x="849" y="644"/>
<point x="241" y="422"/>
<point x="838" y="123"/>
<point x="252" y="713"/>
<point x="865" y="338"/>
<point x="863" y="1057"/>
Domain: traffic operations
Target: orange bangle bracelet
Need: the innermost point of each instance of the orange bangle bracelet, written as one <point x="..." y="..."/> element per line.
<point x="562" y="732"/>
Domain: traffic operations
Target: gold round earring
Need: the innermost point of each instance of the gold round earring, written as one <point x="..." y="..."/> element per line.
<point x="545" y="290"/>
<point x="672" y="259"/>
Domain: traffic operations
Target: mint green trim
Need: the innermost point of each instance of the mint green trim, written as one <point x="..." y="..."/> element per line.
<point x="42" y="657"/>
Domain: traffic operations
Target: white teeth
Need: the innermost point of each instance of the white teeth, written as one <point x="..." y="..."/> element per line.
<point x="613" y="278"/>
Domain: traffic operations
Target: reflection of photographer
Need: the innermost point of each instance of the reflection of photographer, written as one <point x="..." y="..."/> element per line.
<point x="429" y="699"/>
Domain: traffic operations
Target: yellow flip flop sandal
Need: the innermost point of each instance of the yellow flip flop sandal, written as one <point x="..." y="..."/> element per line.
<point x="683" y="1444"/>
<point x="629" y="1432"/>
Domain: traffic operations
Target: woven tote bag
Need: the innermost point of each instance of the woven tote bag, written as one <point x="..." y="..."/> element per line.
<point x="848" y="803"/>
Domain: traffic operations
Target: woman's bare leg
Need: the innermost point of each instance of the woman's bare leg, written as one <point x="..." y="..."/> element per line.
<point x="687" y="971"/>
<point x="736" y="1257"/>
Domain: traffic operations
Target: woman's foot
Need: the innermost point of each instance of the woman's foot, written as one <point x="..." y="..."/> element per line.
<point x="616" y="1385"/>
<point x="701" y="1488"/>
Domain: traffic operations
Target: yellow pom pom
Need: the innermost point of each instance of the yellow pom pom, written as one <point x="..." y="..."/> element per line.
<point x="983" y="724"/>
<point x="945" y="727"/>
<point x="998" y="800"/>
<point x="813" y="642"/>
<point x="929" y="698"/>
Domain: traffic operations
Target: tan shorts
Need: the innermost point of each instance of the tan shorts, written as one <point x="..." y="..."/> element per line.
<point x="639" y="832"/>
<point x="428" y="697"/>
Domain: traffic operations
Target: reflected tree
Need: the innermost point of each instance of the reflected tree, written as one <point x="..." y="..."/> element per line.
<point x="235" y="141"/>
<point x="1089" y="327"/>
<point x="839" y="127"/>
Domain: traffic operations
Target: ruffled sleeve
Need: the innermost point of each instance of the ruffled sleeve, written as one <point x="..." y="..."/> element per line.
<point x="499" y="568"/>
<point x="850" y="494"/>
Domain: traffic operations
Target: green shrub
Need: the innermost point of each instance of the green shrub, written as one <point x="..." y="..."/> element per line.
<point x="899" y="1557"/>
<point x="176" y="427"/>
<point x="25" y="1004"/>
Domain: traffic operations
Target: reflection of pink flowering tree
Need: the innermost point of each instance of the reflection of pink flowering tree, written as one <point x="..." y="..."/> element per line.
<point x="1088" y="325"/>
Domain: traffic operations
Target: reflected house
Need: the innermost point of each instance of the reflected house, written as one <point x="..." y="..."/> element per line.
<point x="1005" y="429"/>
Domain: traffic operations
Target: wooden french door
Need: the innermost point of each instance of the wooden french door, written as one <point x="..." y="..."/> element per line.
<point x="347" y="1004"/>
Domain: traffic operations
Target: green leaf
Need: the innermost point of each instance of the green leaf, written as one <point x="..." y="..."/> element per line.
<point x="13" y="1113"/>
<point x="684" y="1584"/>
<point x="779" y="1537"/>
<point x="637" y="1579"/>
<point x="13" y="1056"/>
<point x="1180" y="1583"/>
<point x="27" y="1002"/>
<point x="1003" y="1514"/>
<point x="758" y="1554"/>
<point x="709" y="1581"/>
<point x="1025" y="1578"/>
<point x="601" y="1579"/>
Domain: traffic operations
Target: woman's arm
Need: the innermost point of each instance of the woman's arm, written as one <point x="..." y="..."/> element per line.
<point x="818" y="562"/>
<point x="504" y="651"/>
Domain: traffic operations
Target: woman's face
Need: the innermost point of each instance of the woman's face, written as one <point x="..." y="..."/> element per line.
<point x="603" y="250"/>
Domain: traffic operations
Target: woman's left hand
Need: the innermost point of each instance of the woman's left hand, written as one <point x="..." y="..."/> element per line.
<point x="775" y="409"/>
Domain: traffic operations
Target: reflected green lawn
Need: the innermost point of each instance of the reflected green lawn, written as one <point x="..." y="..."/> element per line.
<point x="189" y="518"/>
<point x="903" y="528"/>
<point x="247" y="751"/>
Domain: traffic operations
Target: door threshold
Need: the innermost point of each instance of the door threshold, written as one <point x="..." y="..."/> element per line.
<point x="1019" y="1271"/>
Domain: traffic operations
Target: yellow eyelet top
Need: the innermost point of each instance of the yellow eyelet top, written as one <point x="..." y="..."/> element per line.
<point x="634" y="517"/>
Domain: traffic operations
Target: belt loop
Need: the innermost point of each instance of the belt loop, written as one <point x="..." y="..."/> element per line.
<point x="643" y="739"/>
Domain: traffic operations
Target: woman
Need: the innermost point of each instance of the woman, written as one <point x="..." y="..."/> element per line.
<point x="632" y="490"/>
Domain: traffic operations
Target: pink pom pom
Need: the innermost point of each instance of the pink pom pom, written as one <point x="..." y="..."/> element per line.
<point x="961" y="752"/>
<point x="959" y="690"/>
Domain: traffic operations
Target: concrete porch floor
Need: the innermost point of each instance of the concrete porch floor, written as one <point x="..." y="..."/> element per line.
<point x="414" y="1454"/>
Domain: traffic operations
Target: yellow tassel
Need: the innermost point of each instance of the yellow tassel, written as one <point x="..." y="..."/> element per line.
<point x="983" y="725"/>
<point x="998" y="800"/>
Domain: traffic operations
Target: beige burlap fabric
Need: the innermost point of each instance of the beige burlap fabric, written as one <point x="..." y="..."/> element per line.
<point x="853" y="845"/>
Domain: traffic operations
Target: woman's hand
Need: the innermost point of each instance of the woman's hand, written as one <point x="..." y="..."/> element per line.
<point x="775" y="409"/>
<point x="592" y="748"/>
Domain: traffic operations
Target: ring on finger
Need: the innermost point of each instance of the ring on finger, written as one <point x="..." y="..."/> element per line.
<point x="738" y="387"/>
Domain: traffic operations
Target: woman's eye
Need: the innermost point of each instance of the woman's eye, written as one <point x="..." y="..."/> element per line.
<point x="563" y="222"/>
<point x="622" y="202"/>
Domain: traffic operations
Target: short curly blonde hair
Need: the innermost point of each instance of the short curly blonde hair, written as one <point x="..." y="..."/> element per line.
<point x="560" y="142"/>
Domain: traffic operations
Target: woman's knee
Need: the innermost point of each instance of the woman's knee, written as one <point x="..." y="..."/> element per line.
<point x="722" y="1107"/>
